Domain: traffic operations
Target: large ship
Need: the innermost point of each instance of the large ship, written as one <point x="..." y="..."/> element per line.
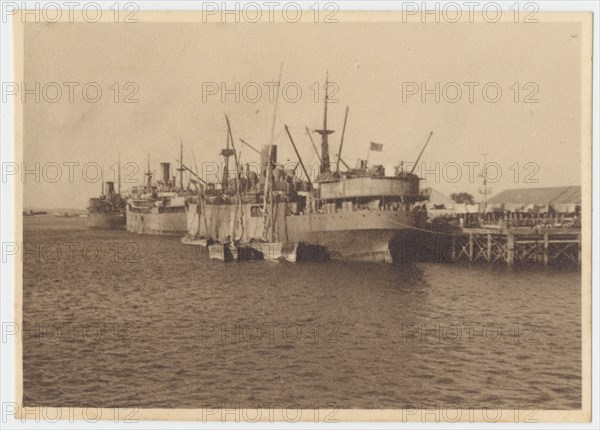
<point x="108" y="210"/>
<point x="159" y="206"/>
<point x="356" y="213"/>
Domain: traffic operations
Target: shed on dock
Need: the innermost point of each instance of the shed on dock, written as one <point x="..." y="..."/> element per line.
<point x="530" y="207"/>
<point x="562" y="200"/>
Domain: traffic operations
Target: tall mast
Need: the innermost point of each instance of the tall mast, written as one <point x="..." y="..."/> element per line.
<point x="237" y="181"/>
<point x="325" y="163"/>
<point x="226" y="153"/>
<point x="181" y="164"/>
<point x="235" y="157"/>
<point x="267" y="219"/>
<point x="119" y="175"/>
<point x="275" y="108"/>
<point x="149" y="175"/>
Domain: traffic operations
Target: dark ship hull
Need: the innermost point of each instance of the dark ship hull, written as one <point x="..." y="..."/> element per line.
<point x="107" y="211"/>
<point x="107" y="221"/>
<point x="158" y="208"/>
<point x="154" y="221"/>
<point x="356" y="235"/>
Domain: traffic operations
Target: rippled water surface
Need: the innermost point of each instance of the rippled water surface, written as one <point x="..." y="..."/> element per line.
<point x="114" y="319"/>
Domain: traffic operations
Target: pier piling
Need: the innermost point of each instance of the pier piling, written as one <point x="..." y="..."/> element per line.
<point x="556" y="246"/>
<point x="470" y="247"/>
<point x="510" y="249"/>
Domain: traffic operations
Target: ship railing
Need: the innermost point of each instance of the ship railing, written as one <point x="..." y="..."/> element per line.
<point x="376" y="205"/>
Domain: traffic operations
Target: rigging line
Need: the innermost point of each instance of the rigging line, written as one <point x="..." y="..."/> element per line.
<point x="285" y="217"/>
<point x="419" y="229"/>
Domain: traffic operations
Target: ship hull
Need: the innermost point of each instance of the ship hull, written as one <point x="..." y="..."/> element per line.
<point x="106" y="221"/>
<point x="154" y="222"/>
<point x="355" y="245"/>
<point x="363" y="235"/>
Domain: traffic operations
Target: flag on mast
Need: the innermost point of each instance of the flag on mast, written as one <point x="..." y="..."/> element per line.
<point x="378" y="147"/>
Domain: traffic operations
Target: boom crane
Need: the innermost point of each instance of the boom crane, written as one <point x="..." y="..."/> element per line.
<point x="421" y="153"/>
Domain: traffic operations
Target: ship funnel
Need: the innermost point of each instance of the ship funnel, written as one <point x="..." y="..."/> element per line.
<point x="264" y="155"/>
<point x="166" y="172"/>
<point x="110" y="188"/>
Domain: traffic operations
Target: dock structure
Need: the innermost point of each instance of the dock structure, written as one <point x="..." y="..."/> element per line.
<point x="519" y="246"/>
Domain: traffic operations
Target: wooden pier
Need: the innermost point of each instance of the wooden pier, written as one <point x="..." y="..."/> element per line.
<point x="518" y="246"/>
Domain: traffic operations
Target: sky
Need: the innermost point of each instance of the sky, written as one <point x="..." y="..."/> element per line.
<point x="378" y="69"/>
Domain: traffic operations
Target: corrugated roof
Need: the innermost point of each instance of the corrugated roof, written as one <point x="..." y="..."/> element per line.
<point x="539" y="196"/>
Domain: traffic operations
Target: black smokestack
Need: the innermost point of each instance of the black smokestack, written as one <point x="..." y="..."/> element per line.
<point x="110" y="188"/>
<point x="166" y="172"/>
<point x="264" y="157"/>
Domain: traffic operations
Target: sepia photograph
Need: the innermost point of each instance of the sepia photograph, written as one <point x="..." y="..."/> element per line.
<point x="248" y="213"/>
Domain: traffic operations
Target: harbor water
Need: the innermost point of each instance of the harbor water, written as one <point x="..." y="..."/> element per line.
<point x="115" y="319"/>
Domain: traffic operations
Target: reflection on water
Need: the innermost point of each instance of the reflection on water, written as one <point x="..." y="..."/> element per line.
<point x="121" y="320"/>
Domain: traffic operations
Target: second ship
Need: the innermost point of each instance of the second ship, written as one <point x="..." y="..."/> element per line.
<point x="159" y="206"/>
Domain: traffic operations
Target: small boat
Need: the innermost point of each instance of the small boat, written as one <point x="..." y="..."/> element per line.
<point x="223" y="251"/>
<point x="195" y="240"/>
<point x="233" y="251"/>
<point x="305" y="252"/>
<point x="270" y="251"/>
<point x="249" y="252"/>
<point x="289" y="251"/>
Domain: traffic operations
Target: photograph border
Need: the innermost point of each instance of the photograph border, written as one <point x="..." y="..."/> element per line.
<point x="350" y="415"/>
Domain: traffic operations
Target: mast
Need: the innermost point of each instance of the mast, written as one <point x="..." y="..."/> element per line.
<point x="149" y="175"/>
<point x="275" y="108"/>
<point x="226" y="153"/>
<point x="268" y="214"/>
<point x="235" y="157"/>
<point x="119" y="175"/>
<point x="181" y="164"/>
<point x="237" y="181"/>
<point x="200" y="195"/>
<point x="325" y="163"/>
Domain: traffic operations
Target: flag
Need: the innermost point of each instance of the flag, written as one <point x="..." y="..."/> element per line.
<point x="376" y="146"/>
<point x="193" y="181"/>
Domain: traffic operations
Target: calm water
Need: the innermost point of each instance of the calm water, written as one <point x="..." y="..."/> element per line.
<point x="114" y="319"/>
